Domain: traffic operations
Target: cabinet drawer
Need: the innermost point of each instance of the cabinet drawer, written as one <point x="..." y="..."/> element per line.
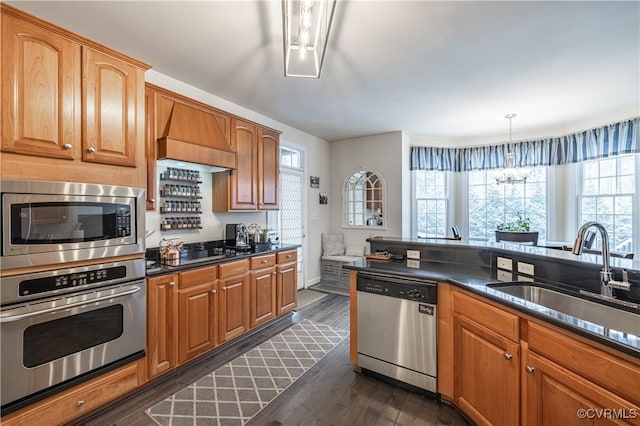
<point x="602" y="368"/>
<point x="230" y="269"/>
<point x="198" y="276"/>
<point x="62" y="408"/>
<point x="258" y="262"/>
<point x="288" y="256"/>
<point x="487" y="315"/>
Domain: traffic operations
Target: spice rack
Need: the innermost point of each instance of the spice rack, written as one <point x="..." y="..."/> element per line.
<point x="181" y="195"/>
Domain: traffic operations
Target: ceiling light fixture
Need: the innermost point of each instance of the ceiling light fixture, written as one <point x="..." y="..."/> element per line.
<point x="306" y="25"/>
<point x="510" y="174"/>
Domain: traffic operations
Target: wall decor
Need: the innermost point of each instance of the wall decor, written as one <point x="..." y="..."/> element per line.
<point x="314" y="181"/>
<point x="324" y="198"/>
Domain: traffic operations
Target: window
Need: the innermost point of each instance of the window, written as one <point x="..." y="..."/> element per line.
<point x="431" y="203"/>
<point x="608" y="197"/>
<point x="491" y="204"/>
<point x="364" y="199"/>
<point x="290" y="158"/>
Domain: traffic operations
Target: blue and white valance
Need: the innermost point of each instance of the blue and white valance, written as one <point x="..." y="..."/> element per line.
<point x="613" y="139"/>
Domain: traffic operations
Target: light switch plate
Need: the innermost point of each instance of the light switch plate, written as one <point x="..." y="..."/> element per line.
<point x="413" y="263"/>
<point x="525" y="268"/>
<point x="505" y="263"/>
<point x="413" y="254"/>
<point x="505" y="276"/>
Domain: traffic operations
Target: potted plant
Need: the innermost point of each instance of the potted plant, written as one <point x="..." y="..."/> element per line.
<point x="517" y="230"/>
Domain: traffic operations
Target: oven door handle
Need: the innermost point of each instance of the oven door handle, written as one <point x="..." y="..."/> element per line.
<point x="130" y="290"/>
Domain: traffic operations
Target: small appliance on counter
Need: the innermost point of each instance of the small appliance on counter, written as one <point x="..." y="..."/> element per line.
<point x="273" y="237"/>
<point x="237" y="236"/>
<point x="258" y="238"/>
<point x="170" y="252"/>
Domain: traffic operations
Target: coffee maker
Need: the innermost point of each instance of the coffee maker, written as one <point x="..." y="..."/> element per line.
<point x="236" y="236"/>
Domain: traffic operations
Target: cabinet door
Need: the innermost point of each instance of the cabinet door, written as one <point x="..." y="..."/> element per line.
<point x="114" y="94"/>
<point x="263" y="296"/>
<point x="197" y="320"/>
<point x="287" y="276"/>
<point x="553" y="395"/>
<point x="268" y="169"/>
<point x="234" y="307"/>
<point x="487" y="382"/>
<point x="243" y="180"/>
<point x="150" y="146"/>
<point x="41" y="96"/>
<point x="162" y="311"/>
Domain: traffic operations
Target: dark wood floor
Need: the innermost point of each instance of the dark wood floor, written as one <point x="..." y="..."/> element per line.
<point x="330" y="393"/>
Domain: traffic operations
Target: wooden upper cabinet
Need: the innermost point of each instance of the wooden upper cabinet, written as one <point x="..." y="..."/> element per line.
<point x="40" y="91"/>
<point x="253" y="185"/>
<point x="72" y="108"/>
<point x="268" y="169"/>
<point x="243" y="180"/>
<point x="114" y="93"/>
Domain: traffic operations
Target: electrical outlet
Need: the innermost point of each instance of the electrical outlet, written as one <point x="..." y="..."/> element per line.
<point x="413" y="263"/>
<point x="525" y="278"/>
<point x="504" y="263"/>
<point x="413" y="254"/>
<point x="525" y="268"/>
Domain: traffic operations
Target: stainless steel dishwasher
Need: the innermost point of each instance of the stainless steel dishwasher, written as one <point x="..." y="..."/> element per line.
<point x="397" y="325"/>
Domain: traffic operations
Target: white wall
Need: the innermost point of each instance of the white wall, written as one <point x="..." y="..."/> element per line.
<point x="382" y="153"/>
<point x="317" y="163"/>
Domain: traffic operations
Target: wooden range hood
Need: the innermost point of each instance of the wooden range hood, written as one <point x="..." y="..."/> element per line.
<point x="196" y="136"/>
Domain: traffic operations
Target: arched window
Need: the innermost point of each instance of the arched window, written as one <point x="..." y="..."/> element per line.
<point x="364" y="204"/>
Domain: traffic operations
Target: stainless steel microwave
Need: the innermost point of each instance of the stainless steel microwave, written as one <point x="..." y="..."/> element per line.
<point x="48" y="223"/>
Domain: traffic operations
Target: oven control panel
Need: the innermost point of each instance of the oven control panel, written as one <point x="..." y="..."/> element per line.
<point x="57" y="282"/>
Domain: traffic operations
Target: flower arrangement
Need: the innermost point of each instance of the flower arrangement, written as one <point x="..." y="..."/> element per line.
<point x="519" y="224"/>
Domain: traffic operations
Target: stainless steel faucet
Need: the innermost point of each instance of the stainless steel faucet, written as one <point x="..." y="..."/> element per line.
<point x="606" y="277"/>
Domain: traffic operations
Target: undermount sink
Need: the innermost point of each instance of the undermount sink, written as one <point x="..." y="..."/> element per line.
<point x="597" y="313"/>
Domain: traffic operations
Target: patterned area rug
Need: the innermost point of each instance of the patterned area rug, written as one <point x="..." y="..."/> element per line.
<point x="237" y="391"/>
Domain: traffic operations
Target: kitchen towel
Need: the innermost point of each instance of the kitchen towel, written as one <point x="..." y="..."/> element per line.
<point x="237" y="391"/>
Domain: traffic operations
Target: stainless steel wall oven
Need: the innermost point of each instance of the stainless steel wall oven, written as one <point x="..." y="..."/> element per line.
<point x="64" y="326"/>
<point x="48" y="223"/>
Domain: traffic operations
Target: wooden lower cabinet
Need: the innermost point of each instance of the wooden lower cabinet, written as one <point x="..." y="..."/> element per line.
<point x="162" y="316"/>
<point x="287" y="283"/>
<point x="79" y="400"/>
<point x="487" y="382"/>
<point x="198" y="320"/>
<point x="263" y="296"/>
<point x="233" y="288"/>
<point x="503" y="367"/>
<point x="554" y="395"/>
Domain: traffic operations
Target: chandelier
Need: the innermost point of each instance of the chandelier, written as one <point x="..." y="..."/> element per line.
<point x="306" y="25"/>
<point x="510" y="174"/>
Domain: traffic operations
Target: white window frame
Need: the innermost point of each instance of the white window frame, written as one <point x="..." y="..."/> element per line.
<point x="550" y="195"/>
<point x="635" y="215"/>
<point x="414" y="202"/>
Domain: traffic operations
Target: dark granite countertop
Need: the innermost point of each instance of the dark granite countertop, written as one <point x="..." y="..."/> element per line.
<point x="475" y="278"/>
<point x="154" y="267"/>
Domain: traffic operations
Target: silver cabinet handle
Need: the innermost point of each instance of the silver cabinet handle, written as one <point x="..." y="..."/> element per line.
<point x="530" y="369"/>
<point x="153" y="200"/>
<point x="89" y="300"/>
<point x="67" y="146"/>
<point x="224" y="288"/>
<point x="508" y="356"/>
<point x="79" y="403"/>
<point x="172" y="283"/>
<point x="91" y="149"/>
<point x="213" y="292"/>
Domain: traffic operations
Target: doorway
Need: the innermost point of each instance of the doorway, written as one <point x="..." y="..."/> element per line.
<point x="291" y="213"/>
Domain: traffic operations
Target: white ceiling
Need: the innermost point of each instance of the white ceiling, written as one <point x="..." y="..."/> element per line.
<point x="435" y="70"/>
